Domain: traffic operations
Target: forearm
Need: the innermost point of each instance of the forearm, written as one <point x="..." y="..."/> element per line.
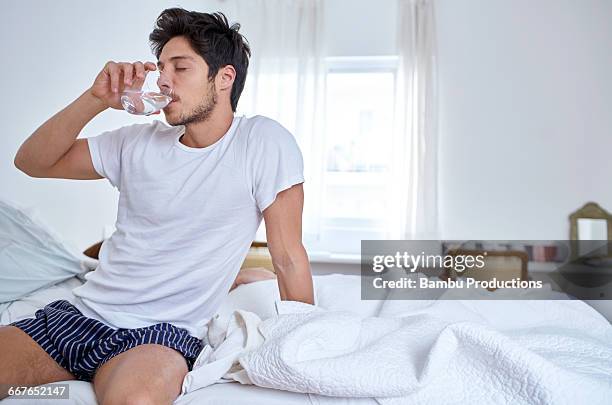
<point x="295" y="278"/>
<point x="55" y="137"/>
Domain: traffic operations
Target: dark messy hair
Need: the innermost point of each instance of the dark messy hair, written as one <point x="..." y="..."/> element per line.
<point x="211" y="36"/>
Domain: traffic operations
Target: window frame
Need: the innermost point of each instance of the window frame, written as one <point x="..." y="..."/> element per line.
<point x="332" y="244"/>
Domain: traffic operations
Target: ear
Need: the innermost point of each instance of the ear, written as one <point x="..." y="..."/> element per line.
<point x="226" y="77"/>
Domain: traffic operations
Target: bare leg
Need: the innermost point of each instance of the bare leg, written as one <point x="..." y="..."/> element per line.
<point x="25" y="363"/>
<point x="146" y="374"/>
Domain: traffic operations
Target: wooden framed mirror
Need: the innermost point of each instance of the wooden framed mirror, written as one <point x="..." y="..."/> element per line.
<point x="590" y="223"/>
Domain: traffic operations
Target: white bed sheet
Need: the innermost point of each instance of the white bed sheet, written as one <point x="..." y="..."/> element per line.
<point x="81" y="393"/>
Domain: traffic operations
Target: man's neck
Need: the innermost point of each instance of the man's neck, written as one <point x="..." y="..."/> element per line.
<point x="203" y="134"/>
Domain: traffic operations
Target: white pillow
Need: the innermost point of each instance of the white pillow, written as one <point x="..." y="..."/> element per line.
<point x="257" y="297"/>
<point x="31" y="255"/>
<point x="333" y="292"/>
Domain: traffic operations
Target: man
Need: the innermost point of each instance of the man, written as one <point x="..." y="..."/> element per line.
<point x="192" y="195"/>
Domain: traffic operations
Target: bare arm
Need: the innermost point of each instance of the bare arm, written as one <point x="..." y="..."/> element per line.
<point x="53" y="150"/>
<point x="283" y="220"/>
<point x="53" y="139"/>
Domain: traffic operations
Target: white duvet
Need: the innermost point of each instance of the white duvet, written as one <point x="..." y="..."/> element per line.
<point x="443" y="352"/>
<point x="532" y="352"/>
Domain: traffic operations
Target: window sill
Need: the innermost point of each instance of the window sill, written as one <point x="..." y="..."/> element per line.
<point x="327" y="257"/>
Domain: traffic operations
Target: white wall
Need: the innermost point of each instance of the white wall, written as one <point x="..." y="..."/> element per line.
<point x="52" y="51"/>
<point x="525" y="131"/>
<point x="525" y="102"/>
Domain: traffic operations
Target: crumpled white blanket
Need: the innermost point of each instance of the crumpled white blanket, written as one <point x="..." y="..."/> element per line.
<point x="218" y="361"/>
<point x="424" y="357"/>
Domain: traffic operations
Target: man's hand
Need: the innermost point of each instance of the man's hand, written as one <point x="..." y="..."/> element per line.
<point x="115" y="76"/>
<point x="252" y="274"/>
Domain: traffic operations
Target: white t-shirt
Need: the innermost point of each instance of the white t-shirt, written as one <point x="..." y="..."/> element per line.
<point x="186" y="218"/>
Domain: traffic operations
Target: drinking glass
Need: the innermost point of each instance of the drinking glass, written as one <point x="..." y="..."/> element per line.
<point x="146" y="99"/>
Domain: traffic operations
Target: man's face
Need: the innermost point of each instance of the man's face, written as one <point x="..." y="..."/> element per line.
<point x="186" y="73"/>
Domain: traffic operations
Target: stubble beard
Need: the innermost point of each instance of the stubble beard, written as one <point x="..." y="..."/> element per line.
<point x="202" y="112"/>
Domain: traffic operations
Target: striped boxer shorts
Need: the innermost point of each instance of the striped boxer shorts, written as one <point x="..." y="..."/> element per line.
<point x="81" y="344"/>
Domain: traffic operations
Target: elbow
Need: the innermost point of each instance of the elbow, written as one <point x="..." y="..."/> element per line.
<point x="23" y="167"/>
<point x="18" y="162"/>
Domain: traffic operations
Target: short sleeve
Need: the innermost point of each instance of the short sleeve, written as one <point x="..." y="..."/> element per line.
<point x="106" y="149"/>
<point x="274" y="161"/>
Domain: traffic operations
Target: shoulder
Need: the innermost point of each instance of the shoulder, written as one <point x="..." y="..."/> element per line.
<point x="263" y="122"/>
<point x="263" y="130"/>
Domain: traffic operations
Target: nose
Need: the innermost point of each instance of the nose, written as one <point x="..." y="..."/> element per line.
<point x="164" y="83"/>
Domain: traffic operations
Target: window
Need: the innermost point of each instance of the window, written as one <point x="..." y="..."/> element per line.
<point x="358" y="133"/>
<point x="355" y="150"/>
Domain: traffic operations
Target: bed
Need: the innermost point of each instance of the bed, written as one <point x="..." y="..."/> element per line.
<point x="342" y="293"/>
<point x="346" y="350"/>
<point x="81" y="393"/>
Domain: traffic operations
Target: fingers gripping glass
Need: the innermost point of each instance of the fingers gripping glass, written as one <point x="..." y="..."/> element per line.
<point x="144" y="97"/>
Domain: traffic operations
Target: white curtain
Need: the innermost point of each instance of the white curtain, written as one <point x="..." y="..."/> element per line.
<point x="286" y="82"/>
<point x="416" y="146"/>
